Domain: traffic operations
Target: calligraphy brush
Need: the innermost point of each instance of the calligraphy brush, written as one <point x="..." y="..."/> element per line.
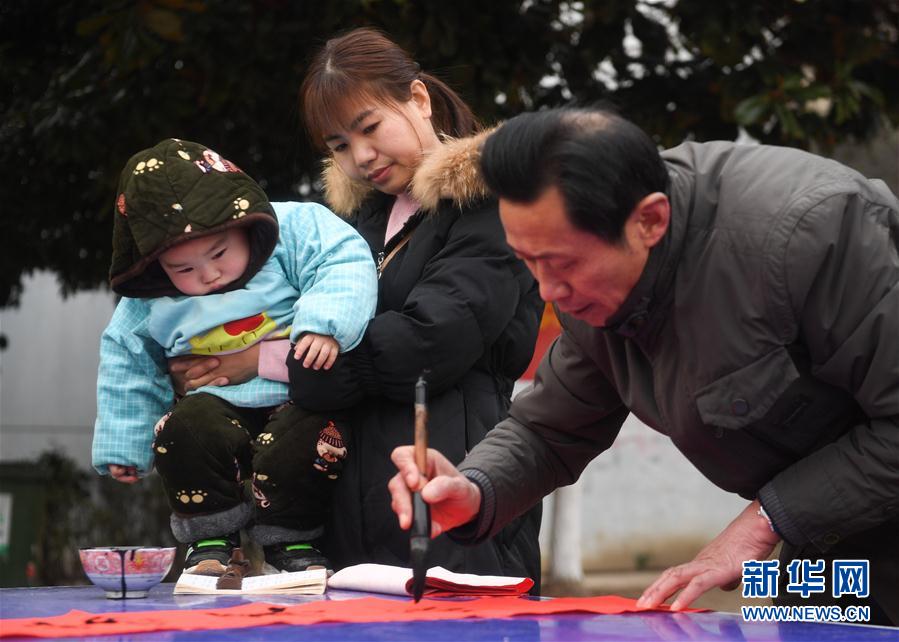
<point x="420" y="534"/>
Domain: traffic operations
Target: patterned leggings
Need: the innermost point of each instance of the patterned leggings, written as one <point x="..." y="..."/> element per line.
<point x="206" y="448"/>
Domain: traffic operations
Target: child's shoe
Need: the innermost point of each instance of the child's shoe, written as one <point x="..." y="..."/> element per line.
<point x="294" y="557"/>
<point x="210" y="556"/>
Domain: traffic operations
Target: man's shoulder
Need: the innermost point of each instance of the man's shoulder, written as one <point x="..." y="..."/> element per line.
<point x="760" y="175"/>
<point x="722" y="154"/>
<point x="744" y="193"/>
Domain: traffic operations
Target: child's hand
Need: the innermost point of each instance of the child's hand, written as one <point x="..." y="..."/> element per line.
<point x="124" y="474"/>
<point x="320" y="350"/>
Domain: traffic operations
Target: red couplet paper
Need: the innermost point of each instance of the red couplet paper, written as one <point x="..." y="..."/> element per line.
<point x="438" y="587"/>
<point x="368" y="609"/>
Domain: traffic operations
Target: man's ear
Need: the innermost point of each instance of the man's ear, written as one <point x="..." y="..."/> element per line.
<point x="650" y="219"/>
<point x="420" y="97"/>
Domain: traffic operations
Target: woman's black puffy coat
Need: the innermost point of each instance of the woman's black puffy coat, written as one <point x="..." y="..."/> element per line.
<point x="454" y="302"/>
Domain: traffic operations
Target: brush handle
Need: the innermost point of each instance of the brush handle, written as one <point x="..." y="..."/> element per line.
<point x="421" y="427"/>
<point x="419" y="540"/>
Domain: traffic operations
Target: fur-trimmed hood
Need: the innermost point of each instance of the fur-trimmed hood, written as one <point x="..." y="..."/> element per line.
<point x="452" y="171"/>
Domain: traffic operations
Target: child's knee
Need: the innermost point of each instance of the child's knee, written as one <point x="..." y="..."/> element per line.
<point x="315" y="446"/>
<point x="200" y="430"/>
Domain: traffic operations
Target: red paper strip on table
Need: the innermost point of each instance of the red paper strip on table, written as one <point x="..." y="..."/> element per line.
<point x="369" y="609"/>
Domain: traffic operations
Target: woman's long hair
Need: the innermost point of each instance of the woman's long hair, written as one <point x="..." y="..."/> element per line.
<point x="365" y="63"/>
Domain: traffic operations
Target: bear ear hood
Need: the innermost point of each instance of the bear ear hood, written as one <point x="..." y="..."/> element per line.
<point x="174" y="192"/>
<point x="452" y="171"/>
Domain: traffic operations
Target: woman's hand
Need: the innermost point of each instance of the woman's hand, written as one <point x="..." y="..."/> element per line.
<point x="190" y="373"/>
<point x="454" y="499"/>
<point x="124" y="474"/>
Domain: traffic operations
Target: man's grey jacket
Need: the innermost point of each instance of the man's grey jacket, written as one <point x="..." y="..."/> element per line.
<point x="762" y="338"/>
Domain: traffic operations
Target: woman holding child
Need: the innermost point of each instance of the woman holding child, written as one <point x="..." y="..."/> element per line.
<point x="453" y="301"/>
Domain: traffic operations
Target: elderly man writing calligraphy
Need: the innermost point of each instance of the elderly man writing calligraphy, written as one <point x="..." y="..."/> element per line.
<point x="743" y="301"/>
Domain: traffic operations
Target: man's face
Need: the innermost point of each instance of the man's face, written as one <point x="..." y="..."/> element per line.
<point x="583" y="275"/>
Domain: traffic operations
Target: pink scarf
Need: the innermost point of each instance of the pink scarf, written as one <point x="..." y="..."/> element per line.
<point x="403" y="207"/>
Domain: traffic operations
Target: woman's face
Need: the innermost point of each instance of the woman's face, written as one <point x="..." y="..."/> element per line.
<point x="383" y="143"/>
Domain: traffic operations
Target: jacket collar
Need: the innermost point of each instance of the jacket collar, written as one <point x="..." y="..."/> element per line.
<point x="643" y="311"/>
<point x="452" y="172"/>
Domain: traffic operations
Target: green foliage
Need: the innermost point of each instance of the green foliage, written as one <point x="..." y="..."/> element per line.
<point x="87" y="83"/>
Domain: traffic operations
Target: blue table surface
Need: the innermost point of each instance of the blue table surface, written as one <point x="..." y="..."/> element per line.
<point x="35" y="602"/>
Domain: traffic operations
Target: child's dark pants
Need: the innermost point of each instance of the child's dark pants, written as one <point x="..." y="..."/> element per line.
<point x="207" y="447"/>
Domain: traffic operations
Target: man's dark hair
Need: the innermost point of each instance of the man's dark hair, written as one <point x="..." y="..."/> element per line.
<point x="601" y="163"/>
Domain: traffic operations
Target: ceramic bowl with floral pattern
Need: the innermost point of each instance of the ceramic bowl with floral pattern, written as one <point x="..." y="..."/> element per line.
<point x="126" y="571"/>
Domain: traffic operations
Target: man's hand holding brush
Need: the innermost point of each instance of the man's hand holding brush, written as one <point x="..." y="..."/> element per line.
<point x="453" y="498"/>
